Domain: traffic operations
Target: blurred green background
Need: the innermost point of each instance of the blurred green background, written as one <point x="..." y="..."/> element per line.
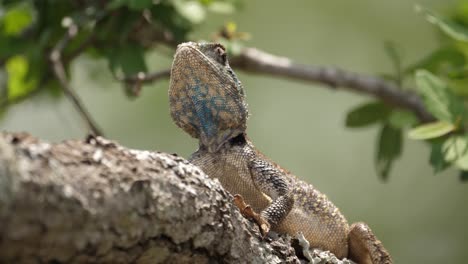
<point x="420" y="217"/>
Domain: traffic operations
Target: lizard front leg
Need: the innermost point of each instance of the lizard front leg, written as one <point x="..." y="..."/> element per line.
<point x="365" y="248"/>
<point x="271" y="181"/>
<point x="247" y="211"/>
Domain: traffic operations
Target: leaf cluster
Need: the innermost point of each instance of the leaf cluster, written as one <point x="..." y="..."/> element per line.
<point x="441" y="79"/>
<point x="119" y="31"/>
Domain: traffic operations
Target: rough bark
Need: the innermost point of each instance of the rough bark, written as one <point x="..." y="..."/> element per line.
<point x="94" y="201"/>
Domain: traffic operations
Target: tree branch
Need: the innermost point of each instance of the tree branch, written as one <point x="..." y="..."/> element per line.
<point x="253" y="60"/>
<point x="94" y="201"/>
<point x="59" y="72"/>
<point x="256" y="61"/>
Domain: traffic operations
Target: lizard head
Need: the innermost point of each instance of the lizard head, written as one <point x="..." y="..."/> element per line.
<point x="206" y="98"/>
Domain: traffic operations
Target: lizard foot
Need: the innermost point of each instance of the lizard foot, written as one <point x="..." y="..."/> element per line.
<point x="248" y="212"/>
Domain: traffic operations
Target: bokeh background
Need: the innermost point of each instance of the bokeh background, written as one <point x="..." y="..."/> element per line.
<point x="420" y="217"/>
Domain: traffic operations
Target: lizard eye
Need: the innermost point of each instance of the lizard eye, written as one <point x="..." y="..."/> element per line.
<point x="221" y="54"/>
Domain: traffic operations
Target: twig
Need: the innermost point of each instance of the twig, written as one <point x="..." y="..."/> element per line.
<point x="134" y="83"/>
<point x="59" y="72"/>
<point x="147" y="77"/>
<point x="254" y="60"/>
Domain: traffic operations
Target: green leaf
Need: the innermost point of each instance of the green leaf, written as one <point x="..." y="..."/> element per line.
<point x="443" y="60"/>
<point x="389" y="146"/>
<point x="431" y="130"/>
<point x="117" y="3"/>
<point x="193" y="11"/>
<point x="449" y="27"/>
<point x="10" y="46"/>
<point x="394" y="54"/>
<point x="16" y="20"/>
<point x="206" y="2"/>
<point x="367" y="114"/>
<point x="462" y="163"/>
<point x="402" y="119"/>
<point x="17" y="68"/>
<point x="459" y="86"/>
<point x="221" y="7"/>
<point x="463" y="175"/>
<point x="129" y="59"/>
<point x="169" y="17"/>
<point x="132" y="4"/>
<point x="437" y="157"/>
<point x="140" y="4"/>
<point x="456" y="151"/>
<point x="438" y="98"/>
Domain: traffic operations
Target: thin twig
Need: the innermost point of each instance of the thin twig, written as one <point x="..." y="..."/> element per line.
<point x="59" y="72"/>
<point x="147" y="77"/>
<point x="135" y="82"/>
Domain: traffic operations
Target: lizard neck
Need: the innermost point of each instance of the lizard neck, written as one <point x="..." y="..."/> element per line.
<point x="237" y="141"/>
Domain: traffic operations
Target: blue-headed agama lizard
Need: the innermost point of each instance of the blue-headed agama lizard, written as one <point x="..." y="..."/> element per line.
<point x="208" y="102"/>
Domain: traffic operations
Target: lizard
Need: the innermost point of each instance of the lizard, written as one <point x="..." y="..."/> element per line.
<point x="207" y="101"/>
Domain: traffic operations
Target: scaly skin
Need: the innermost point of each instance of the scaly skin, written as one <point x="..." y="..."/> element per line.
<point x="208" y="102"/>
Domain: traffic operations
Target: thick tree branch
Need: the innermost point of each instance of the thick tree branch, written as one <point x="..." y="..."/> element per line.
<point x="95" y="201"/>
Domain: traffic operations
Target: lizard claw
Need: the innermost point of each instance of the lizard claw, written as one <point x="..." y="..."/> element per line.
<point x="247" y="211"/>
<point x="239" y="202"/>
